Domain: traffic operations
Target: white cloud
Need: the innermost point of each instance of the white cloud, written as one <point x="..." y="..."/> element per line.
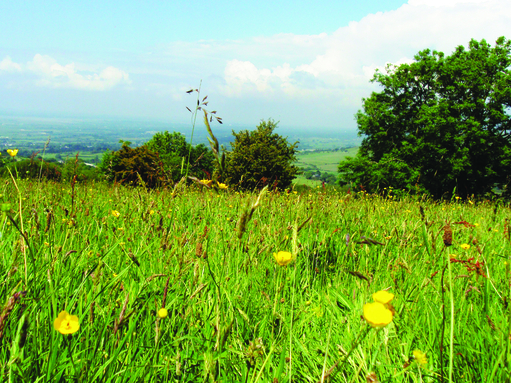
<point x="50" y="73"/>
<point x="8" y="65"/>
<point x="340" y="64"/>
<point x="444" y="3"/>
<point x="54" y="75"/>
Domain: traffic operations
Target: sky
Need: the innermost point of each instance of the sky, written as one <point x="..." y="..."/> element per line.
<point x="307" y="64"/>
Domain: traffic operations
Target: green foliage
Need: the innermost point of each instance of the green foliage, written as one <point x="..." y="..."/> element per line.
<point x="261" y="157"/>
<point x="235" y="315"/>
<point x="174" y="152"/>
<point x="130" y="166"/>
<point x="440" y="122"/>
<point x="34" y="169"/>
<point x="375" y="176"/>
<point x="74" y="166"/>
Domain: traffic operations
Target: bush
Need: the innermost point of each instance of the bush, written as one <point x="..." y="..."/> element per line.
<point x="261" y="157"/>
<point x="131" y="165"/>
<point x="34" y="169"/>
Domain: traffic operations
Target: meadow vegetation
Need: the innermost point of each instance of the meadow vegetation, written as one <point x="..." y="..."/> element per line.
<point x="212" y="267"/>
<point x="187" y="284"/>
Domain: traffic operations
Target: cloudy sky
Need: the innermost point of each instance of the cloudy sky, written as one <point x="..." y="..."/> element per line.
<point x="305" y="63"/>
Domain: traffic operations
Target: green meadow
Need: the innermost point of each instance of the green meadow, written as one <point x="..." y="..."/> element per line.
<point x="113" y="257"/>
<point x="324" y="160"/>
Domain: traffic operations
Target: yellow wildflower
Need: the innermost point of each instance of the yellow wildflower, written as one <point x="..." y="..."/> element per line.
<point x="207" y="182"/>
<point x="283" y="258"/>
<point x="66" y="324"/>
<point x="115" y="213"/>
<point x="162" y="313"/>
<point x="383" y="297"/>
<point x="377" y="315"/>
<point x="465" y="246"/>
<point x="222" y="186"/>
<point x="12" y="152"/>
<point x="420" y="357"/>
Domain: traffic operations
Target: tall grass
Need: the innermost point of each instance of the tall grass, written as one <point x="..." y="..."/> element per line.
<point x="234" y="315"/>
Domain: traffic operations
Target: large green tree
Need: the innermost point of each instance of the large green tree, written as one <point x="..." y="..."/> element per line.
<point x="261" y="157"/>
<point x="440" y="124"/>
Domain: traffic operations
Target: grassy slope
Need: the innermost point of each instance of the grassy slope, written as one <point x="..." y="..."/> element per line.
<point x="234" y="314"/>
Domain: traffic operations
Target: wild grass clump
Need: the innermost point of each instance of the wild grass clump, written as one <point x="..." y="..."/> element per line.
<point x="104" y="283"/>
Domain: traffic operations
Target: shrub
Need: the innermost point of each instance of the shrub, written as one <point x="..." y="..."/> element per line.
<point x="131" y="165"/>
<point x="34" y="169"/>
<point x="261" y="157"/>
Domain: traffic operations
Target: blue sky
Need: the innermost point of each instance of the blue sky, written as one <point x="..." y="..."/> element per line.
<point x="307" y="64"/>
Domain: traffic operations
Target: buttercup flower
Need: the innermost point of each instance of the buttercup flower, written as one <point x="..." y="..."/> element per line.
<point x="222" y="186"/>
<point x="465" y="246"/>
<point x="115" y="213"/>
<point x="420" y="357"/>
<point x="66" y="324"/>
<point x="383" y="297"/>
<point x="377" y="315"/>
<point x="12" y="152"/>
<point x="283" y="258"/>
<point x="162" y="313"/>
<point x="207" y="182"/>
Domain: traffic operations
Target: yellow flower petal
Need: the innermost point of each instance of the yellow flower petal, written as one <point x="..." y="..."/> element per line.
<point x="66" y="324"/>
<point x="383" y="297"/>
<point x="377" y="315"/>
<point x="12" y="152"/>
<point x="420" y="357"/>
<point x="283" y="258"/>
<point x="162" y="313"/>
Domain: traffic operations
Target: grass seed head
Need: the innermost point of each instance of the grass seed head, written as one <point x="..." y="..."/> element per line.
<point x="447" y="237"/>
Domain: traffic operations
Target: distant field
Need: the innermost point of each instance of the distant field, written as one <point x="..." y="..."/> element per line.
<point x="301" y="180"/>
<point x="325" y="161"/>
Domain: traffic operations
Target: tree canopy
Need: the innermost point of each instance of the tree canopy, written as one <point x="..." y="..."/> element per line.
<point x="440" y="124"/>
<point x="261" y="157"/>
<point x="174" y="153"/>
